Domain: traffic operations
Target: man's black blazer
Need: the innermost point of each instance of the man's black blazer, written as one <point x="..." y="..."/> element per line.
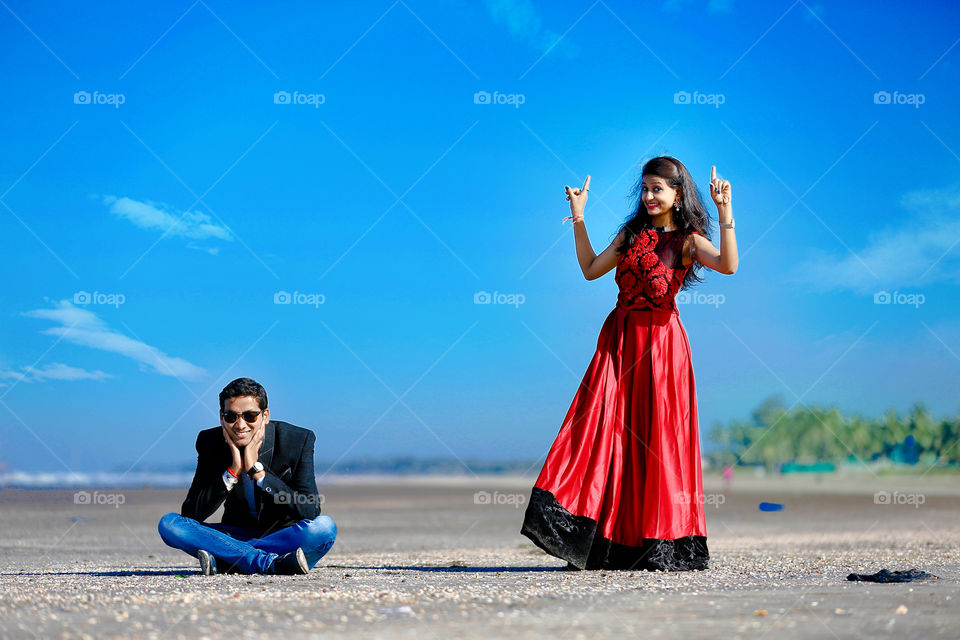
<point x="289" y="492"/>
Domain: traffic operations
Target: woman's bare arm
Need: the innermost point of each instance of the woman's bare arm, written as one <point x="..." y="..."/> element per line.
<point x="593" y="265"/>
<point x="702" y="250"/>
<point x="696" y="247"/>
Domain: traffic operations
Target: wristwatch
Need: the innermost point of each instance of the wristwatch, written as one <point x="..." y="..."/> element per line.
<point x="255" y="469"/>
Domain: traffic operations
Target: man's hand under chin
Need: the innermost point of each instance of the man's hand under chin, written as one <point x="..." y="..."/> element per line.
<point x="236" y="467"/>
<point x="251" y="452"/>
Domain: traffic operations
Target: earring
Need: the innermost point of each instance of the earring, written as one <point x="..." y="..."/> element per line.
<point x="676" y="205"/>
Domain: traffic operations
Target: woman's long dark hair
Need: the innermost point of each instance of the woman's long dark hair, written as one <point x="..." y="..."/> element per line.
<point x="691" y="217"/>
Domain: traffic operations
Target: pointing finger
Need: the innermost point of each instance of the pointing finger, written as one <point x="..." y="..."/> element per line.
<point x="586" y="183"/>
<point x="713" y="173"/>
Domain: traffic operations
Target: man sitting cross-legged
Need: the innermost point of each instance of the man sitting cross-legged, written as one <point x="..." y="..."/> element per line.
<point x="262" y="472"/>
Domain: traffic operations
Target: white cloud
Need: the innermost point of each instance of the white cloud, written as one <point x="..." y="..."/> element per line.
<point x="10" y="374"/>
<point x="523" y="23"/>
<point x="895" y="258"/>
<point x="214" y="251"/>
<point x="151" y="215"/>
<point x="52" y="371"/>
<point x="84" y="328"/>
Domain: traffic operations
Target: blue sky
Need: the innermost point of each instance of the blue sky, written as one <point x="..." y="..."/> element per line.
<point x="167" y="173"/>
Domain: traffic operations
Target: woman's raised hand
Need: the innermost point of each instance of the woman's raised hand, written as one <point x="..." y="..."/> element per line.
<point x="719" y="189"/>
<point x="577" y="198"/>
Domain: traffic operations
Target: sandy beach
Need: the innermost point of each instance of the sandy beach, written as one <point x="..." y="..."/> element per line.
<point x="443" y="557"/>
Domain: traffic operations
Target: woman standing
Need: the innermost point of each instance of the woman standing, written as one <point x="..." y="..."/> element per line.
<point x="622" y="486"/>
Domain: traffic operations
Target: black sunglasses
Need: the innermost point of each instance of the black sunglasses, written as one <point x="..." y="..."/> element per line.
<point x="248" y="416"/>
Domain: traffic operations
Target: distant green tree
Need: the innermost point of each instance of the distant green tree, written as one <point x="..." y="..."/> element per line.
<point x="775" y="435"/>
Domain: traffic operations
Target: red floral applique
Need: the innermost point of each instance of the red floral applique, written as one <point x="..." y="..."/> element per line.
<point x="657" y="286"/>
<point x="644" y="281"/>
<point x="646" y="240"/>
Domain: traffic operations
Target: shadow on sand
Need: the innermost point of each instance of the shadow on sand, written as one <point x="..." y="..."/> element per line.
<point x="129" y="572"/>
<point x="185" y="571"/>
<point x="451" y="568"/>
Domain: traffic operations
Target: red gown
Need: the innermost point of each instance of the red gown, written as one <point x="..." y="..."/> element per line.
<point x="622" y="486"/>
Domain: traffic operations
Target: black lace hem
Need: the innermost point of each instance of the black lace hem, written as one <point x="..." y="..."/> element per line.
<point x="574" y="539"/>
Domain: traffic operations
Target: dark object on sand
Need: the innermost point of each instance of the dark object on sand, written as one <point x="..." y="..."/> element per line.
<point x="771" y="506"/>
<point x="885" y="575"/>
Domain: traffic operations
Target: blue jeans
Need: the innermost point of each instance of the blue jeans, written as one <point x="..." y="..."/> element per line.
<point x="239" y="549"/>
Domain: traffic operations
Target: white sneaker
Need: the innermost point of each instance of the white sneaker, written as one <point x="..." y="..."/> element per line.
<point x="208" y="565"/>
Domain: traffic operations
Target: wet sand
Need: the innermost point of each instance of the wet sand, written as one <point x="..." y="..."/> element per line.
<point x="442" y="558"/>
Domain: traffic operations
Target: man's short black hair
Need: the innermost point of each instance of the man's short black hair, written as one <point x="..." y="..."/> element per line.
<point x="244" y="387"/>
